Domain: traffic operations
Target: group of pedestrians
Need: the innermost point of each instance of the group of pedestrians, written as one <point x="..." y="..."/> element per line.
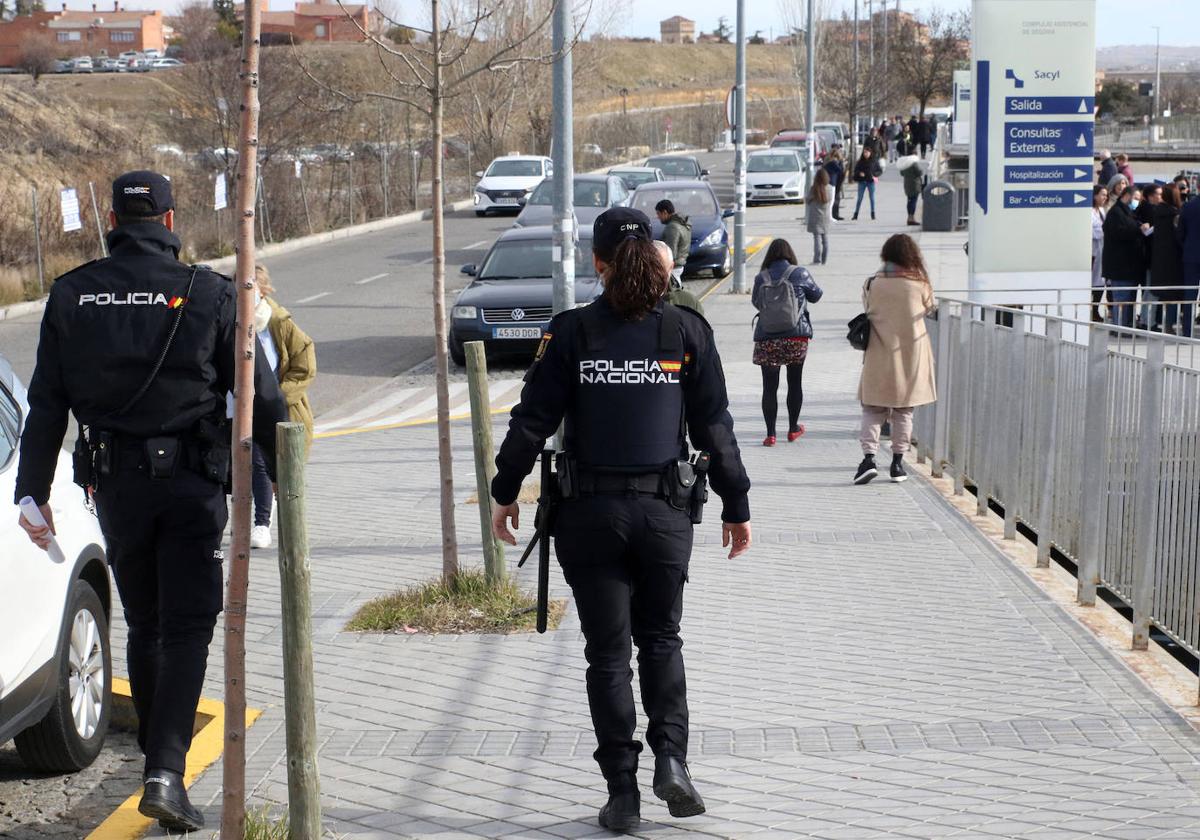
<point x="1144" y="239"/>
<point x="897" y="373"/>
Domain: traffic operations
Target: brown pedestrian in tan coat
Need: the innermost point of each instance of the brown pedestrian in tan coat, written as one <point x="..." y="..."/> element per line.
<point x="897" y="370"/>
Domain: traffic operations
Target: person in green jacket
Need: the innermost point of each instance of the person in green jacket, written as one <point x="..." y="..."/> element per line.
<point x="679" y="296"/>
<point x="677" y="233"/>
<point x="910" y="168"/>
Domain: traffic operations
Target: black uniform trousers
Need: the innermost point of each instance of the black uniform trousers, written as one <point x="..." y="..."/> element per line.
<point x="164" y="544"/>
<point x="626" y="560"/>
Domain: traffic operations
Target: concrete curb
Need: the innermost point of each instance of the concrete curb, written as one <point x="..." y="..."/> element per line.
<point x="16" y="310"/>
<point x="275" y="249"/>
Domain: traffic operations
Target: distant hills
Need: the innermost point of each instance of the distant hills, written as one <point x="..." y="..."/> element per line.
<point x="1141" y="56"/>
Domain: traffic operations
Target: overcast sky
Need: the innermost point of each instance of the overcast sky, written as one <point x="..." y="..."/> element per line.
<point x="1119" y="21"/>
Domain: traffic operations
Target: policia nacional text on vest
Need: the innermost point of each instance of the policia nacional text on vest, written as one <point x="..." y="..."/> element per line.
<point x="140" y="347"/>
<point x="629" y="391"/>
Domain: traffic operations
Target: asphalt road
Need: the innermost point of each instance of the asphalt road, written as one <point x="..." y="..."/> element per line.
<point x="366" y="301"/>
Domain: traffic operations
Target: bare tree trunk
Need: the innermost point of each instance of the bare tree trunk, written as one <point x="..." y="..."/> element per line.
<point x="445" y="456"/>
<point x="233" y="812"/>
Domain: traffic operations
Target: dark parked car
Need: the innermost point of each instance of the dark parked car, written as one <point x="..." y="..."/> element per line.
<point x="635" y="176"/>
<point x="679" y="167"/>
<point x="697" y="201"/>
<point x="593" y="195"/>
<point x="509" y="303"/>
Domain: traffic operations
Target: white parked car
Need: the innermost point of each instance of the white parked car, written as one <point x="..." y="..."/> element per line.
<point x="152" y="53"/>
<point x="508" y="181"/>
<point x="774" y="175"/>
<point x="83" y="64"/>
<point x="55" y="665"/>
<point x="164" y="63"/>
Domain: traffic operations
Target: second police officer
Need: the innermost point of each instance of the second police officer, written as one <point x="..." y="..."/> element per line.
<point x="140" y="347"/>
<point x="633" y="377"/>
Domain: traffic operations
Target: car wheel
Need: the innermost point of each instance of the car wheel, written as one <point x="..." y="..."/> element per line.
<point x="458" y="353"/>
<point x="71" y="734"/>
<point x="481" y="213"/>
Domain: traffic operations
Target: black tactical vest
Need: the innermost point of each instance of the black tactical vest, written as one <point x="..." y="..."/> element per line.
<point x="627" y="408"/>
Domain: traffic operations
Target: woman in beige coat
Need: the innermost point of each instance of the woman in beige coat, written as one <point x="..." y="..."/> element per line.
<point x="897" y="370"/>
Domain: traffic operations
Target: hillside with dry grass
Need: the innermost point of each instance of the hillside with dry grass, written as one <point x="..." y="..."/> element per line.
<point x="81" y="130"/>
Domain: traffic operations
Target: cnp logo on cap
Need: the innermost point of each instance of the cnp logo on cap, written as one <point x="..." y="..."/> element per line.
<point x="142" y="194"/>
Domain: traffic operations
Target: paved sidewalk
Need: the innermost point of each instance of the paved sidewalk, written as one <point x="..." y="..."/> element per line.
<point x="873" y="668"/>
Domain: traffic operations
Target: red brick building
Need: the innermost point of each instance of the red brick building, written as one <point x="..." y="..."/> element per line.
<point x="98" y="32"/>
<point x="323" y="20"/>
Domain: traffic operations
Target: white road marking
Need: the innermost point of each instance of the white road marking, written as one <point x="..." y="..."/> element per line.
<point x="478" y="244"/>
<point x="370" y="279"/>
<point x="311" y="298"/>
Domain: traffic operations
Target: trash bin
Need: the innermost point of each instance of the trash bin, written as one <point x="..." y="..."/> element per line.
<point x="938" y="212"/>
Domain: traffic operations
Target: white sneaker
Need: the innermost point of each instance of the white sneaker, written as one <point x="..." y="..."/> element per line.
<point x="260" y="536"/>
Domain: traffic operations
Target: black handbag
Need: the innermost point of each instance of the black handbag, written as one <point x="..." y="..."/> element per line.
<point x="859" y="328"/>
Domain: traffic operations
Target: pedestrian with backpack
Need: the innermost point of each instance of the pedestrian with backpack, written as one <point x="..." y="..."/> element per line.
<point x="782" y="292"/>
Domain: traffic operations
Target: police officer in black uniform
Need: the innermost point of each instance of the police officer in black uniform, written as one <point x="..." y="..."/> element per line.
<point x="631" y="375"/>
<point x="141" y="348"/>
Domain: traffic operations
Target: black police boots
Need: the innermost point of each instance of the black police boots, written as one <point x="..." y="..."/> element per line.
<point x="165" y="799"/>
<point x="673" y="784"/>
<point x="623" y="811"/>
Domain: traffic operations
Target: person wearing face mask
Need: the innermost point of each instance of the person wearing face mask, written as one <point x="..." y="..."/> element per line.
<point x="1123" y="260"/>
<point x="293" y="357"/>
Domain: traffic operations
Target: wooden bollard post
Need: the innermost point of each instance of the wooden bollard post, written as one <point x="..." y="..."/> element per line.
<point x="485" y="459"/>
<point x="304" y="784"/>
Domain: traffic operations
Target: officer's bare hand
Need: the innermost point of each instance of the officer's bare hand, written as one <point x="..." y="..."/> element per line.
<point x="736" y="535"/>
<point x="40" y="536"/>
<point x="500" y="516"/>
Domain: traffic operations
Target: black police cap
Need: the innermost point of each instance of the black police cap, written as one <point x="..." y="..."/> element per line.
<point x="614" y="226"/>
<point x="142" y="193"/>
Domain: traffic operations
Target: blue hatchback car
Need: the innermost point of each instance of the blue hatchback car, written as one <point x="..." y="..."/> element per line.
<point x="697" y="201"/>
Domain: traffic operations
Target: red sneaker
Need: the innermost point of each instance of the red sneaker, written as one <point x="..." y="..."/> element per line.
<point x="797" y="434"/>
<point x="769" y="440"/>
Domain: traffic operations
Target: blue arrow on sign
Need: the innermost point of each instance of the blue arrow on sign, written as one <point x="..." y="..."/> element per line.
<point x="1049" y="105"/>
<point x="1052" y="173"/>
<point x="1048" y="139"/>
<point x="1014" y="199"/>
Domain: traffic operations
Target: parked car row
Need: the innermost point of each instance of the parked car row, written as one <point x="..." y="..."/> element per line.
<point x="131" y="62"/>
<point x="508" y="303"/>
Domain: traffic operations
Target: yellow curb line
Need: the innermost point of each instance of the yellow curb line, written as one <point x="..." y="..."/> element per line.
<point x="405" y="425"/>
<point x="756" y="245"/>
<point x="126" y="823"/>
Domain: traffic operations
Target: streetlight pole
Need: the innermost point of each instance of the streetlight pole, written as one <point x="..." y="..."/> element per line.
<point x="871" y="56"/>
<point x="563" y="154"/>
<point x="739" y="157"/>
<point x="1157" y="80"/>
<point x="854" y="98"/>
<point x="810" y="102"/>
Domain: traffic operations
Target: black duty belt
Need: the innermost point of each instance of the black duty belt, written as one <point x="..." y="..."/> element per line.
<point x="616" y="484"/>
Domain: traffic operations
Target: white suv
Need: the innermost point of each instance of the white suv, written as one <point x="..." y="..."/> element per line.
<point x="508" y="181"/>
<point x="55" y="668"/>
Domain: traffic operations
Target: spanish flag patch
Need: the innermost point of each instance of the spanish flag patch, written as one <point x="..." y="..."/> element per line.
<point x="670" y="367"/>
<point x="541" y="351"/>
<point x="176" y="302"/>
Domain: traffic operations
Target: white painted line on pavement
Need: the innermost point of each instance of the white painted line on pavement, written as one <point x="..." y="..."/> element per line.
<point x="311" y="298"/>
<point x="370" y="279"/>
<point x="478" y="244"/>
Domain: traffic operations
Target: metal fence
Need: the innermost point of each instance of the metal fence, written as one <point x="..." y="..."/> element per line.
<point x="1088" y="435"/>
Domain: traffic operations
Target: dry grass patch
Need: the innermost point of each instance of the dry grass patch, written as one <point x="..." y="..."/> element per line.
<point x="469" y="605"/>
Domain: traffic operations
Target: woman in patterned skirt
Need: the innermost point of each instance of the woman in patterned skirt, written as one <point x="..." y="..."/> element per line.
<point x="781" y="333"/>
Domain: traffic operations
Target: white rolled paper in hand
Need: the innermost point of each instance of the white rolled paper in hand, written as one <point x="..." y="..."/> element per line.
<point x="33" y="513"/>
